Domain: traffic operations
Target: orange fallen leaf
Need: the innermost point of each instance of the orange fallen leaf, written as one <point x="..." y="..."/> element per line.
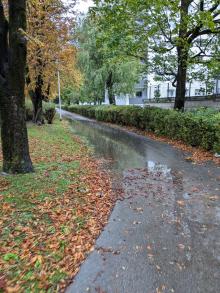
<point x="13" y="289"/>
<point x="180" y="202"/>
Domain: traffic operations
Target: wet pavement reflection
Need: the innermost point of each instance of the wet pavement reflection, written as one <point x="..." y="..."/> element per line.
<point x="166" y="231"/>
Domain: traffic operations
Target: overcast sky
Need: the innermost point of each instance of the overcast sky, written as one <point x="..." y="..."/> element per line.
<point x="82" y="5"/>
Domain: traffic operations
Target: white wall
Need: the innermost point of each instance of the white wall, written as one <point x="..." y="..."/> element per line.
<point x="148" y="91"/>
<point x="122" y="100"/>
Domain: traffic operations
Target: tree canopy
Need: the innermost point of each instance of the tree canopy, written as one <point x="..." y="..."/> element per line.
<point x="50" y="48"/>
<point x="170" y="36"/>
<point x="103" y="68"/>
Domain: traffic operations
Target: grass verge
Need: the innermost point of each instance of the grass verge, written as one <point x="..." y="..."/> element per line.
<point x="49" y="220"/>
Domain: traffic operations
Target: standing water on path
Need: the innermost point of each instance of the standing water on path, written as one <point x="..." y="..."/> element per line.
<point x="165" y="235"/>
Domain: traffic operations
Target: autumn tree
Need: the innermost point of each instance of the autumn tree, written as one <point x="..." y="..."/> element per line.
<point x="14" y="137"/>
<point x="49" y="49"/>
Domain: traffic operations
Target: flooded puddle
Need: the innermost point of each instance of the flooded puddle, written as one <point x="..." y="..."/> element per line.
<point x="167" y="230"/>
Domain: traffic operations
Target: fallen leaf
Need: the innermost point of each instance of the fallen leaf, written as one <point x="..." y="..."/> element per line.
<point x="180" y="202"/>
<point x="181" y="246"/>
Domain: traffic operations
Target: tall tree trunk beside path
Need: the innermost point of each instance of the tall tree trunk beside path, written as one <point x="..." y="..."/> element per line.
<point x="109" y="85"/>
<point x="182" y="56"/>
<point x="188" y="33"/>
<point x="13" y="50"/>
<point x="37" y="101"/>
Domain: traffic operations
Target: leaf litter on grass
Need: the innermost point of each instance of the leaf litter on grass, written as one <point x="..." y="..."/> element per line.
<point x="49" y="220"/>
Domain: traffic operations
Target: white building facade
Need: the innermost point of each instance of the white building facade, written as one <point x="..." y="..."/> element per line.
<point x="148" y="90"/>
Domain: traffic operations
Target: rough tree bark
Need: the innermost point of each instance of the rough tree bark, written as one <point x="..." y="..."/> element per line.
<point x="182" y="57"/>
<point x="37" y="98"/>
<point x="109" y="86"/>
<point x="187" y="35"/>
<point x="16" y="158"/>
<point x="37" y="101"/>
<point x="181" y="79"/>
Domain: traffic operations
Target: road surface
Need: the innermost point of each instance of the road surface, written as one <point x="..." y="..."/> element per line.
<point x="165" y="235"/>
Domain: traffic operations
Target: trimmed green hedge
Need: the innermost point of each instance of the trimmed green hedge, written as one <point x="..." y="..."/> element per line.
<point x="196" y="128"/>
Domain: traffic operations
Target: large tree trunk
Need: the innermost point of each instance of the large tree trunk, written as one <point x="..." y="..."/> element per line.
<point x="182" y="53"/>
<point x="181" y="79"/>
<point x="16" y="158"/>
<point x="111" y="96"/>
<point x="109" y="86"/>
<point x="37" y="101"/>
<point x="37" y="109"/>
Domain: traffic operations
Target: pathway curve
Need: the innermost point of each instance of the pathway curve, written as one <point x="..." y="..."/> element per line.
<point x="165" y="235"/>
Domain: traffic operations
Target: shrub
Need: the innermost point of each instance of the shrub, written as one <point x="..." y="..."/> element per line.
<point x="217" y="126"/>
<point x="49" y="111"/>
<point x="195" y="128"/>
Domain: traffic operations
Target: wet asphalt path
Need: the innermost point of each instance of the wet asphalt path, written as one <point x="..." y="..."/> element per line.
<point x="165" y="235"/>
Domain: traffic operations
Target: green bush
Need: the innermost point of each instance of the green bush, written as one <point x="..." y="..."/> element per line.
<point x="49" y="110"/>
<point x="195" y="128"/>
<point x="217" y="126"/>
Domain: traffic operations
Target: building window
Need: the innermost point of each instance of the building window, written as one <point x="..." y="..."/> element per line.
<point x="171" y="93"/>
<point x="199" y="92"/>
<point x="139" y="94"/>
<point x="157" y="93"/>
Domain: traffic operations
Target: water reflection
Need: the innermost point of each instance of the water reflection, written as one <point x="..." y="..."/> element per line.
<point x="117" y="145"/>
<point x="180" y="221"/>
<point x="159" y="169"/>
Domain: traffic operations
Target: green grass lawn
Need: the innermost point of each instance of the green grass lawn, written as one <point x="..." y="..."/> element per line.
<point x="49" y="219"/>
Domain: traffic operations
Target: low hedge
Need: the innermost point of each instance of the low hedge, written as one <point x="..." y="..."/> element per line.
<point x="196" y="128"/>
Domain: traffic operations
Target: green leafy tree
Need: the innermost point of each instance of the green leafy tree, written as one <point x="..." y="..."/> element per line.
<point x="177" y="33"/>
<point x="102" y="67"/>
<point x="70" y="94"/>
